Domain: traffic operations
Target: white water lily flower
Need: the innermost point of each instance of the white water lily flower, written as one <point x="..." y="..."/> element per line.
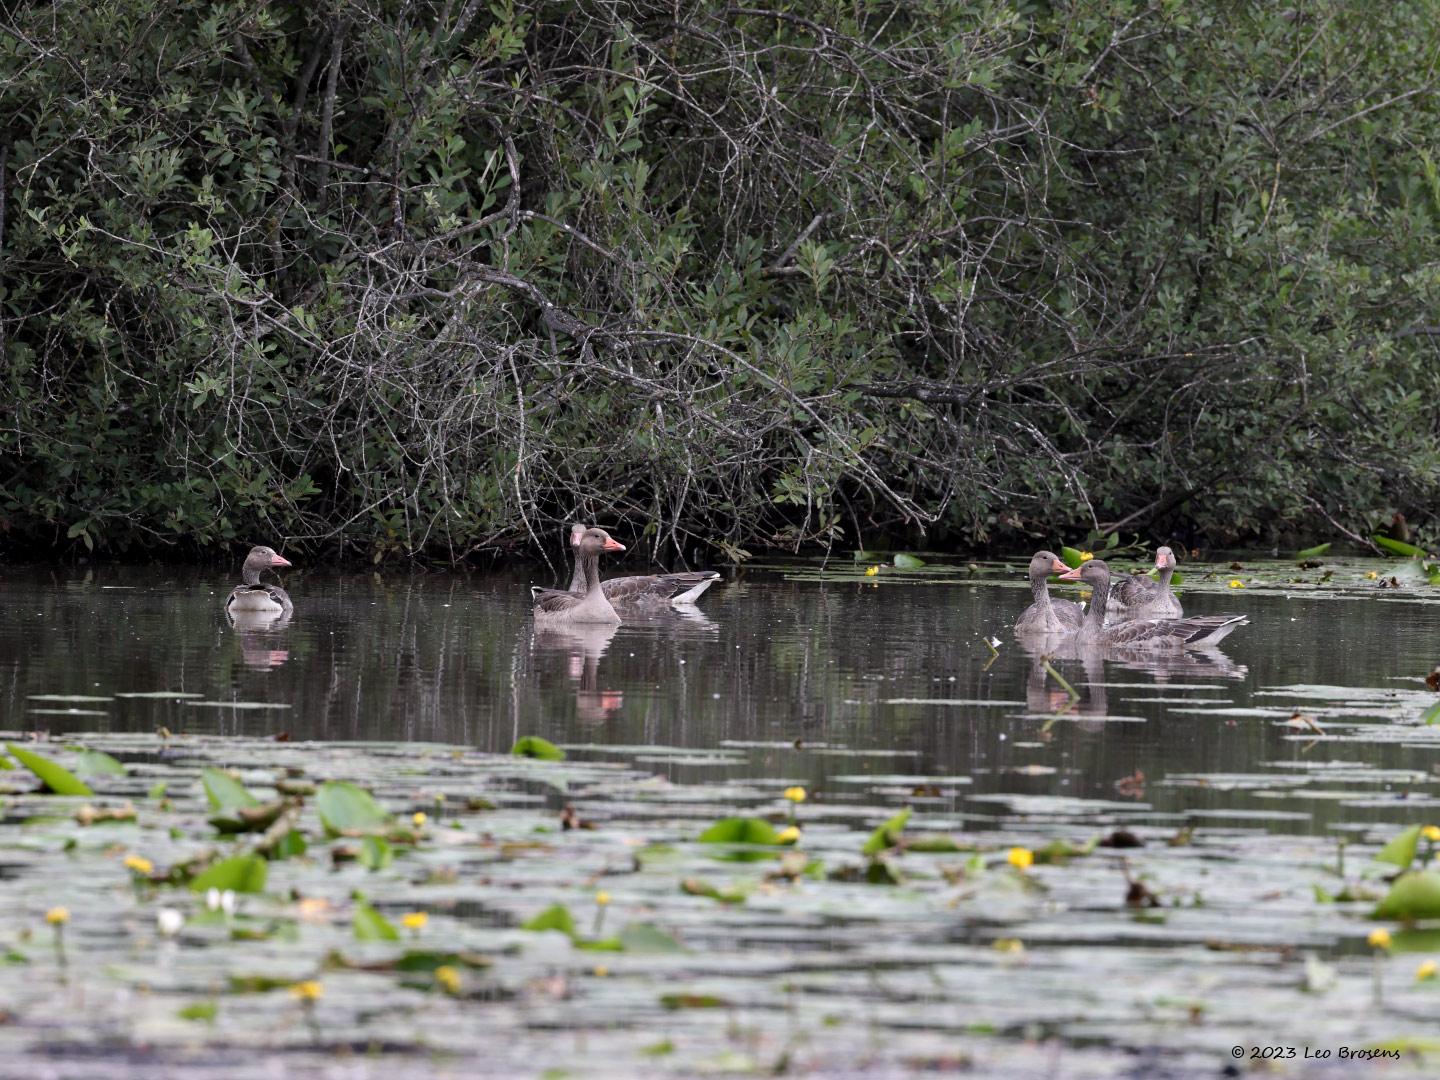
<point x="169" y="921"/>
<point x="216" y="900"/>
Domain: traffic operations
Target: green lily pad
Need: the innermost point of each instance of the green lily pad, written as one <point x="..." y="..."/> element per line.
<point x="532" y="746"/>
<point x="370" y="925"/>
<point x="241" y="874"/>
<point x="1414" y="895"/>
<point x="345" y="808"/>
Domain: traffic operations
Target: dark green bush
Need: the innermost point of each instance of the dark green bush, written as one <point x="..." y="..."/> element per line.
<point x="433" y="277"/>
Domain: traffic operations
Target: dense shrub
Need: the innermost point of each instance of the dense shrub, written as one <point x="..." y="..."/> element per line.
<point x="431" y="277"/>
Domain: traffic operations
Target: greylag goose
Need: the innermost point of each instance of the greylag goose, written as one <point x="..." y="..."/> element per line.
<point x="1198" y="631"/>
<point x="645" y="590"/>
<point x="252" y="595"/>
<point x="1140" y="596"/>
<point x="553" y="606"/>
<point x="1046" y="616"/>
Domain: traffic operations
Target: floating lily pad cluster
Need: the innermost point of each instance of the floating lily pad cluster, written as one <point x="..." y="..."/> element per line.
<point x="430" y="903"/>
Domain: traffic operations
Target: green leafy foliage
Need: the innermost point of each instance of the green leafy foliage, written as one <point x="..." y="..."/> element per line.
<point x="740" y="830"/>
<point x="1036" y="246"/>
<point x="1399" y="547"/>
<point x="1400" y="851"/>
<point x="97" y="763"/>
<point x="55" y="777"/>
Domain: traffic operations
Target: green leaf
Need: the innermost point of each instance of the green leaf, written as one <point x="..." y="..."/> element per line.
<point x="376" y="853"/>
<point x="346" y="808"/>
<point x="98" y="763"/>
<point x="1070" y="557"/>
<point x="555" y="917"/>
<point x="1414" y="895"/>
<point x="737" y="830"/>
<point x="887" y="835"/>
<point x="201" y="1010"/>
<point x="370" y="925"/>
<point x="648" y="938"/>
<point x="55" y="777"/>
<point x="1399" y="547"/>
<point x="908" y="562"/>
<point x="290" y="846"/>
<point x="1401" y="850"/>
<point x="934" y="844"/>
<point x="241" y="873"/>
<point x="225" y="793"/>
<point x="532" y="746"/>
<point x="693" y="1001"/>
<point x="157" y="790"/>
<point x="1312" y="552"/>
<point x="1432" y="714"/>
<point x="1112" y="541"/>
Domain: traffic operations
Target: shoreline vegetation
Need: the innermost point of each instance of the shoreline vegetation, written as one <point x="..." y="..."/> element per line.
<point x="432" y="280"/>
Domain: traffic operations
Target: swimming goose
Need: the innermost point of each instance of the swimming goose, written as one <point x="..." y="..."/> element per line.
<point x="1198" y="631"/>
<point x="252" y="595"/>
<point x="553" y="606"/>
<point x="645" y="590"/>
<point x="1046" y="616"/>
<point x="1140" y="596"/>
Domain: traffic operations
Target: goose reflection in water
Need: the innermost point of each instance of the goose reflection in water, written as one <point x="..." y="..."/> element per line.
<point x="583" y="644"/>
<point x="258" y="632"/>
<point x="1045" y="695"/>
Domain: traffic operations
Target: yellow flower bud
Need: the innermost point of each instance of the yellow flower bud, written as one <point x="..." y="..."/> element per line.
<point x="1379" y="938"/>
<point x="1021" y="858"/>
<point x="414" y="920"/>
<point x="1426" y="972"/>
<point x="448" y="978"/>
<point x="872" y="571"/>
<point x="418" y="818"/>
<point x="139" y="864"/>
<point x="1236" y="583"/>
<point x="307" y="991"/>
<point x="795" y="794"/>
<point x="57" y="916"/>
<point x="602" y="898"/>
<point x="788" y="835"/>
<point x="1431" y="833"/>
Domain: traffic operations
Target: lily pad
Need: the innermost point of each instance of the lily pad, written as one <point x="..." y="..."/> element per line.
<point x="241" y="874"/>
<point x="348" y="809"/>
<point x="533" y="746"/>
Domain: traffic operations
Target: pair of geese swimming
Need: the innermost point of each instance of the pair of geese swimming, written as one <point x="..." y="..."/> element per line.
<point x="1138" y="612"/>
<point x="587" y="600"/>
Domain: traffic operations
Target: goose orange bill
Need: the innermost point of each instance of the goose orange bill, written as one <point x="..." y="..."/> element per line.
<point x="613" y="545"/>
<point x="276" y="560"/>
<point x="1059" y="567"/>
<point x="1072" y="575"/>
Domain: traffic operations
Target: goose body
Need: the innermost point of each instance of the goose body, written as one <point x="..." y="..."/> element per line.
<point x="1195" y="632"/>
<point x="553" y="606"/>
<point x="254" y="596"/>
<point x="642" y="591"/>
<point x="1140" y="596"/>
<point x="1044" y="615"/>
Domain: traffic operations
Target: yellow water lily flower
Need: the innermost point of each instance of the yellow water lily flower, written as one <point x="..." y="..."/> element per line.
<point x="1431" y="833"/>
<point x="601" y="971"/>
<point x="872" y="571"/>
<point x="1086" y="556"/>
<point x="795" y="794"/>
<point x="57" y="916"/>
<point x="1022" y="858"/>
<point x="418" y="818"/>
<point x="308" y="991"/>
<point x="1426" y="972"/>
<point x="448" y="978"/>
<point x="1236" y="583"/>
<point x="1009" y="945"/>
<point x="602" y="898"/>
<point x="1379" y="938"/>
<point x="414" y="920"/>
<point x="139" y="864"/>
<point x="1371" y="575"/>
<point x="788" y="835"/>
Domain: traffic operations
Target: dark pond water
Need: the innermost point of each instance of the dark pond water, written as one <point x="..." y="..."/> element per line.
<point x="840" y="662"/>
